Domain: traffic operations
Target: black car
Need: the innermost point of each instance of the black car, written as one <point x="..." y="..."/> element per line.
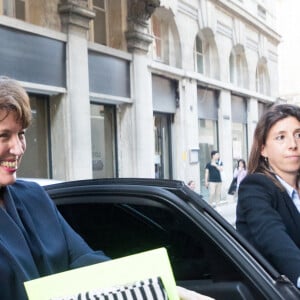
<point x="127" y="216"/>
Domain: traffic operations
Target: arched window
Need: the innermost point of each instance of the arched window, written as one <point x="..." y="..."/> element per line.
<point x="238" y="69"/>
<point x="199" y="57"/>
<point x="165" y="47"/>
<point x="157" y="34"/>
<point x="206" y="58"/>
<point x="262" y="78"/>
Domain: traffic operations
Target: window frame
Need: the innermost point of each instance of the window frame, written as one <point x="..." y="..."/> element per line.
<point x="104" y="10"/>
<point x="199" y="54"/>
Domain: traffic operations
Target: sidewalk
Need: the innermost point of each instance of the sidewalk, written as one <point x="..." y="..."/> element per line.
<point x="227" y="209"/>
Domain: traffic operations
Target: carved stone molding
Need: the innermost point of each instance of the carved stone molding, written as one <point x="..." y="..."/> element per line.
<point x="82" y="3"/>
<point x="75" y="13"/>
<point x="139" y="12"/>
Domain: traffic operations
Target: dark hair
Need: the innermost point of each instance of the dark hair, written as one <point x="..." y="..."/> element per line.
<point x="213" y="153"/>
<point x="13" y="97"/>
<point x="243" y="161"/>
<point x="257" y="163"/>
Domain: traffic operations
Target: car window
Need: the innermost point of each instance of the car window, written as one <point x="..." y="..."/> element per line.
<point x="121" y="229"/>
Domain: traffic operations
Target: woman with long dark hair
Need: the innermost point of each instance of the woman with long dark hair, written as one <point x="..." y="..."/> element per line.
<point x="268" y="208"/>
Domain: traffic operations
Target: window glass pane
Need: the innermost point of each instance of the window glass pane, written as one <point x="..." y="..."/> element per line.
<point x="99" y="3"/>
<point x="8" y="7"/>
<point x="261" y="79"/>
<point x="142" y="227"/>
<point x="14" y="8"/>
<point x="156" y="29"/>
<point x="239" y="126"/>
<point x="238" y="109"/>
<point x="262" y="107"/>
<point x="100" y="27"/>
<point x="199" y="55"/>
<point x="199" y="63"/>
<point x="207" y="104"/>
<point x="207" y="139"/>
<point x="103" y="140"/>
<point x="199" y="45"/>
<point x="195" y="257"/>
<point x="239" y="142"/>
<point x="20" y="9"/>
<point x="231" y="68"/>
<point x="162" y="134"/>
<point x="158" y="48"/>
<point x="35" y="162"/>
<point x="261" y="12"/>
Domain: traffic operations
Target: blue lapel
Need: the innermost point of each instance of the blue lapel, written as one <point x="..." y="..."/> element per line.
<point x="14" y="246"/>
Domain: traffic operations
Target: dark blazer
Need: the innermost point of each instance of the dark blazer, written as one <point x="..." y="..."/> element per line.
<point x="268" y="218"/>
<point x="35" y="240"/>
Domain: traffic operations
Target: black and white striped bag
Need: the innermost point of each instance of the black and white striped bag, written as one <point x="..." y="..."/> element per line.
<point x="149" y="289"/>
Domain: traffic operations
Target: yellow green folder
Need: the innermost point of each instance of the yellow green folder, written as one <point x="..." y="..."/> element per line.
<point x="118" y="271"/>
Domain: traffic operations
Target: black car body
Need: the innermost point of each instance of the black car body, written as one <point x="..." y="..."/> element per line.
<point x="127" y="216"/>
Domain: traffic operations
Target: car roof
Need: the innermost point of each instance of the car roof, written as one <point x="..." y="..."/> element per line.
<point x="41" y="181"/>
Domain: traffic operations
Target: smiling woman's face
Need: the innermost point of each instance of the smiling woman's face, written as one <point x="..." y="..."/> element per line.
<point x="282" y="148"/>
<point x="12" y="147"/>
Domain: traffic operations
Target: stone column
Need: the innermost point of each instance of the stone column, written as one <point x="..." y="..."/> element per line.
<point x="138" y="41"/>
<point x="75" y="18"/>
<point x="225" y="139"/>
<point x="252" y="119"/>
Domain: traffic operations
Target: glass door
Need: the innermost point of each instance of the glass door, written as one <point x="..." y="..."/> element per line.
<point x="103" y="141"/>
<point x="163" y="156"/>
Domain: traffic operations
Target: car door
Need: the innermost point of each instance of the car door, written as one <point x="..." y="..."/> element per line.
<point x="125" y="217"/>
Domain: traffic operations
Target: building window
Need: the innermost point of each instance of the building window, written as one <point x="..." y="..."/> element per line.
<point x="262" y="79"/>
<point x="199" y="59"/>
<point x="36" y="162"/>
<point x="163" y="157"/>
<point x="239" y="142"/>
<point x="262" y="107"/>
<point x="99" y="24"/>
<point x="103" y="140"/>
<point x="239" y="128"/>
<point x="238" y="69"/>
<point x="157" y="43"/>
<point x="208" y="141"/>
<point x="165" y="46"/>
<point x="261" y="12"/>
<point x="15" y="8"/>
<point x="207" y="130"/>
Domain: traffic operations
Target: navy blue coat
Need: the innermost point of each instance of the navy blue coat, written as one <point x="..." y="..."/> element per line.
<point x="35" y="240"/>
<point x="268" y="218"/>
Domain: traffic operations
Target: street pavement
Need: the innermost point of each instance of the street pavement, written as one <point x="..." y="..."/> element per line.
<point x="227" y="209"/>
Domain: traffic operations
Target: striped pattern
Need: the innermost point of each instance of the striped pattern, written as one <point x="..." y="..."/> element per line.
<point x="150" y="289"/>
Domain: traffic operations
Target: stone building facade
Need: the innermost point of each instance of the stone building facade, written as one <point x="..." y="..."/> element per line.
<point x="140" y="88"/>
<point x="288" y="51"/>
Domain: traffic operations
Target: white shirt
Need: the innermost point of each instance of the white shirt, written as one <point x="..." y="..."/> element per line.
<point x="292" y="193"/>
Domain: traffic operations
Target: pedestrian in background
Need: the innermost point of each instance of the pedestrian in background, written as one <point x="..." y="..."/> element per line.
<point x="191" y="184"/>
<point x="240" y="172"/>
<point x="213" y="180"/>
<point x="268" y="207"/>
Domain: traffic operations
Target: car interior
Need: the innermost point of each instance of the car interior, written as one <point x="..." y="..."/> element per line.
<point x="124" y="227"/>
